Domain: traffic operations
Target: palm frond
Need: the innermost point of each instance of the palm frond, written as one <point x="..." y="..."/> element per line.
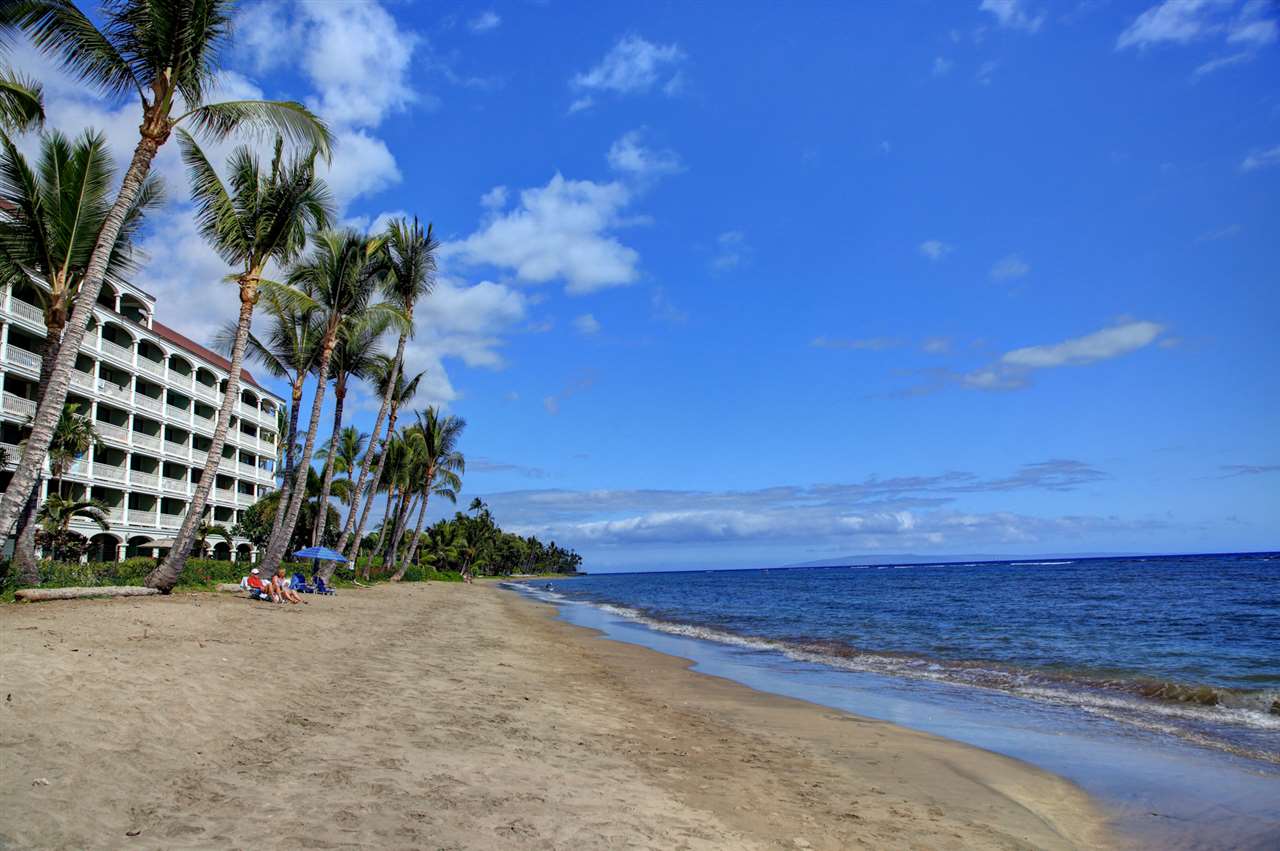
<point x="290" y="119"/>
<point x="59" y="29"/>
<point x="21" y="101"/>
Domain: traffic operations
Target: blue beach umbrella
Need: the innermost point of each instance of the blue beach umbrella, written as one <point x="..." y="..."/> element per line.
<point x="322" y="553"/>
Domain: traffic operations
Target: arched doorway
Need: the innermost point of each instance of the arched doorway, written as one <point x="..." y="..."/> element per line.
<point x="244" y="552"/>
<point x="222" y="551"/>
<point x="140" y="546"/>
<point x="103" y="547"/>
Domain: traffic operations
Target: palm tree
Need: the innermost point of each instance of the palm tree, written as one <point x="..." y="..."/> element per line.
<point x="72" y="438"/>
<point x="310" y="509"/>
<point x="166" y="53"/>
<point x="410" y="277"/>
<point x="206" y="530"/>
<point x="21" y="102"/>
<point x="356" y="354"/>
<point x="443" y="464"/>
<point x="341" y="277"/>
<point x="263" y="216"/>
<point x="401" y="392"/>
<point x="289" y="352"/>
<point x="55" y="516"/>
<point x="349" y="453"/>
<point x="49" y="217"/>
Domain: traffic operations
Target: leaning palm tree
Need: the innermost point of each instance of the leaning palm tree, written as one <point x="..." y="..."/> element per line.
<point x="402" y="390"/>
<point x="167" y="54"/>
<point x="410" y="277"/>
<point x="49" y="218"/>
<point x="443" y="464"/>
<point x="341" y="276"/>
<point x="288" y="351"/>
<point x="55" y="516"/>
<point x="355" y="356"/>
<point x="21" y="101"/>
<point x="262" y="216"/>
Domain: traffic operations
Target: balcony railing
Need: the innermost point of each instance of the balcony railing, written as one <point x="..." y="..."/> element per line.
<point x="173" y="448"/>
<point x="178" y="486"/>
<point x="78" y="468"/>
<point x="18" y="405"/>
<point x="28" y="312"/>
<point x="83" y="379"/>
<point x="148" y="403"/>
<point x="141" y="479"/>
<point x="178" y="377"/>
<point x="204" y="391"/>
<point x="12" y="453"/>
<point x="243" y="498"/>
<point x="145" y="441"/>
<point x="148" y="365"/>
<point x="108" y="472"/>
<point x="170" y="521"/>
<point x="24" y="359"/>
<point x="117" y="351"/>
<point x="116" y="514"/>
<point x="111" y="432"/>
<point x="224" y="494"/>
<point x="110" y="388"/>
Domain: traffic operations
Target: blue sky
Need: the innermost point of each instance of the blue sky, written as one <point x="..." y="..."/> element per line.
<point x="734" y="286"/>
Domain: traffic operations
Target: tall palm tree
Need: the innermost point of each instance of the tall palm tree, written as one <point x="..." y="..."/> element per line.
<point x="402" y="390"/>
<point x="21" y="102"/>
<point x="167" y="54"/>
<point x="289" y="351"/>
<point x="442" y="465"/>
<point x="49" y="218"/>
<point x="410" y="277"/>
<point x="356" y="354"/>
<point x="348" y="454"/>
<point x="55" y="516"/>
<point x="262" y="216"/>
<point x="341" y="276"/>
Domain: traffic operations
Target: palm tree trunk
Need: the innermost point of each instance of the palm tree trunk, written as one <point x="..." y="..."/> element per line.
<point x="280" y="541"/>
<point x="368" y="455"/>
<point x="339" y="396"/>
<point x="286" y="483"/>
<point x="354" y="543"/>
<point x="155" y="130"/>
<point x="393" y="552"/>
<point x="417" y="536"/>
<point x="24" y="545"/>
<point x="166" y="574"/>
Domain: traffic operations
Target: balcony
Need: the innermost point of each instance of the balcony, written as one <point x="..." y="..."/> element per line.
<point x="145" y="441"/>
<point x="18" y="405"/>
<point x="82" y="379"/>
<point x="148" y="403"/>
<point x="116" y="351"/>
<point x="79" y="469"/>
<point x="224" y="494"/>
<point x="108" y="473"/>
<point x="170" y="521"/>
<point x="23" y="359"/>
<point x="178" y="449"/>
<point x="174" y="486"/>
<point x="173" y="412"/>
<point x="116" y="514"/>
<point x="204" y="391"/>
<point x="28" y="313"/>
<point x="153" y="367"/>
<point x="11" y="452"/>
<point x="244" y="498"/>
<point x="248" y="469"/>
<point x="110" y="388"/>
<point x="140" y="479"/>
<point x="107" y="431"/>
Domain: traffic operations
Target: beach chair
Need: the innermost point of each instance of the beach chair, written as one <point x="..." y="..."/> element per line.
<point x="299" y="583"/>
<point x="321" y="588"/>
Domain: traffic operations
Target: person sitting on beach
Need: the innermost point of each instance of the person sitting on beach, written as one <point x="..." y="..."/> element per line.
<point x="259" y="590"/>
<point x="281" y="589"/>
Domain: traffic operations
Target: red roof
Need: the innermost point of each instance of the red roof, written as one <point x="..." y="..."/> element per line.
<point x="196" y="349"/>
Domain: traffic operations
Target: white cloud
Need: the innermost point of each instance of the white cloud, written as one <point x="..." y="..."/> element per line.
<point x="934" y="249"/>
<point x="362" y="165"/>
<point x="1253" y="26"/>
<point x="578" y="385"/>
<point x="731" y="251"/>
<point x="632" y="66"/>
<point x="941" y="66"/>
<point x="485" y="22"/>
<point x="1267" y="158"/>
<point x="1009" y="268"/>
<point x="1173" y="21"/>
<point x="581" y="103"/>
<point x="1100" y="345"/>
<point x="936" y="345"/>
<point x="561" y="230"/>
<point x="494" y="199"/>
<point x="587" y="325"/>
<point x="629" y="155"/>
<point x="1011" y="14"/>
<point x="1221" y="62"/>
<point x="985" y="72"/>
<point x="664" y="309"/>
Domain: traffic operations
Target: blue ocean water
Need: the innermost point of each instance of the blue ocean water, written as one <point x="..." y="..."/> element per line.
<point x="1186" y="646"/>
<point x="1154" y="683"/>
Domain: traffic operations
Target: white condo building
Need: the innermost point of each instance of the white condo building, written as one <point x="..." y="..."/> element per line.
<point x="153" y="396"/>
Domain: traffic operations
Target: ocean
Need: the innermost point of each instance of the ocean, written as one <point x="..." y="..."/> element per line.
<point x="1169" y="665"/>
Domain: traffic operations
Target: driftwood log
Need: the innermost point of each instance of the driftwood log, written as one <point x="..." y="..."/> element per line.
<point x="37" y="595"/>
<point x="229" y="586"/>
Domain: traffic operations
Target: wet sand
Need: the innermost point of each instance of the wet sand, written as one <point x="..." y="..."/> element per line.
<point x="449" y="716"/>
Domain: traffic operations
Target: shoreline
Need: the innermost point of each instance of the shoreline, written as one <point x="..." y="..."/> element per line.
<point x="460" y="717"/>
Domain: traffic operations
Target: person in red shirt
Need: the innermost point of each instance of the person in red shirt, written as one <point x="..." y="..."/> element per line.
<point x="258" y="589"/>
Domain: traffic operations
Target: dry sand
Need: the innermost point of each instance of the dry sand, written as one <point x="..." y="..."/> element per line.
<point x="449" y="716"/>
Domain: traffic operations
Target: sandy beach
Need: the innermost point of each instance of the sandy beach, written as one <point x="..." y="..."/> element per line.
<point x="450" y="716"/>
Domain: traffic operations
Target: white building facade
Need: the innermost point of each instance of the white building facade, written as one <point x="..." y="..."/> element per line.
<point x="153" y="396"/>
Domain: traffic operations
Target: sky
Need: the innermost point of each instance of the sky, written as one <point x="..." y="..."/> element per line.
<point x="753" y="284"/>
